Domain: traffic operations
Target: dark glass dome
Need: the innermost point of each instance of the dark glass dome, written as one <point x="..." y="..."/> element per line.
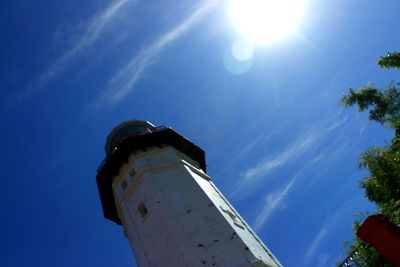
<point x="126" y="129"/>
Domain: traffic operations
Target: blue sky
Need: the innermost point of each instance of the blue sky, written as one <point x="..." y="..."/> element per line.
<point x="277" y="143"/>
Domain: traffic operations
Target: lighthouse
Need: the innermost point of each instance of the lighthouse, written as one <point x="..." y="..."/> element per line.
<point x="154" y="183"/>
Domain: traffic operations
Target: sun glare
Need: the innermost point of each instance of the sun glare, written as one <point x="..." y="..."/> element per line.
<point x="265" y="21"/>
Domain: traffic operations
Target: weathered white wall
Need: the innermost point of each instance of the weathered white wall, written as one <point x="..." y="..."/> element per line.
<point x="189" y="222"/>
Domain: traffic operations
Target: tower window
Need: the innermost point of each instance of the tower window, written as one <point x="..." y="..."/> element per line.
<point x="142" y="210"/>
<point x="132" y="172"/>
<point x="123" y="184"/>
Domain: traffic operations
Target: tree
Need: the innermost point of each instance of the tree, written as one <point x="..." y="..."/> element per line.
<point x="382" y="183"/>
<point x="391" y="60"/>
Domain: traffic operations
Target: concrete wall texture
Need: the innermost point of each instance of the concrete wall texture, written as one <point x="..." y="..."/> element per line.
<point x="173" y="215"/>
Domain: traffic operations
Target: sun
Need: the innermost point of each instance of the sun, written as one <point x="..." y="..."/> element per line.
<point x="265" y="21"/>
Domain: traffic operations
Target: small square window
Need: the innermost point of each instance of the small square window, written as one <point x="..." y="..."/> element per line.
<point x="132" y="172"/>
<point x="142" y="210"/>
<point x="123" y="184"/>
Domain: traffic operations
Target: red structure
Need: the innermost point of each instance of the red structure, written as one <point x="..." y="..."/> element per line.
<point x="378" y="231"/>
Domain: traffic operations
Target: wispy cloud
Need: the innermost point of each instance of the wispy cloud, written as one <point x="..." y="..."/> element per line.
<point x="251" y="177"/>
<point x="338" y="123"/>
<point x="279" y="198"/>
<point x="317" y="240"/>
<point x="323" y="260"/>
<point x="273" y="201"/>
<point x="328" y="226"/>
<point x="126" y="78"/>
<point x="94" y="29"/>
<point x="269" y="164"/>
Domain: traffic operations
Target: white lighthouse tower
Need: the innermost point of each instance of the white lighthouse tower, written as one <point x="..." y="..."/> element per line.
<point x="154" y="182"/>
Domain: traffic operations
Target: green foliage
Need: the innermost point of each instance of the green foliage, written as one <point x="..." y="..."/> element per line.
<point x="366" y="255"/>
<point x="383" y="105"/>
<point x="391" y="60"/>
<point x="362" y="254"/>
<point x="382" y="183"/>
